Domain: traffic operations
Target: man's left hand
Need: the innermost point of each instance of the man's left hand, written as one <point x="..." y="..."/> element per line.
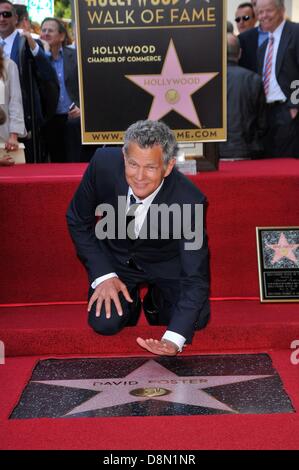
<point x="75" y="113"/>
<point x="161" y="348"/>
<point x="293" y="112"/>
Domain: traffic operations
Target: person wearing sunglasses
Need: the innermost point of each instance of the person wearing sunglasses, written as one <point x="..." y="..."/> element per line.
<point x="245" y="17"/>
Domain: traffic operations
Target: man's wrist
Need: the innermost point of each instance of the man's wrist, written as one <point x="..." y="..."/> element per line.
<point x="101" y="279"/>
<point x="175" y="338"/>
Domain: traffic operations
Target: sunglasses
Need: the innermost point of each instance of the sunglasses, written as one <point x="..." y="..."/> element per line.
<point x="6" y="14"/>
<point x="244" y="18"/>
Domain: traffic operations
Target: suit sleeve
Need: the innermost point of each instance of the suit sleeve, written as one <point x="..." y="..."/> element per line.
<point x="43" y="66"/>
<point x="81" y="222"/>
<point x="194" y="292"/>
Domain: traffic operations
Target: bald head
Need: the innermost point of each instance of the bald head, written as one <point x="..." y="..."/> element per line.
<point x="233" y="48"/>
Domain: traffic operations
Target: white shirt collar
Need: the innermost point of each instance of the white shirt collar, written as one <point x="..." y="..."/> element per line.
<point x="278" y="31"/>
<point x="10" y="39"/>
<point x="149" y="199"/>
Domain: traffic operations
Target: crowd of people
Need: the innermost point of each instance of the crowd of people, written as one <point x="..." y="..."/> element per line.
<point x="39" y="89"/>
<point x="263" y="69"/>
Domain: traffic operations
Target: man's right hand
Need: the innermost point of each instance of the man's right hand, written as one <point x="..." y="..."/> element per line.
<point x="106" y="292"/>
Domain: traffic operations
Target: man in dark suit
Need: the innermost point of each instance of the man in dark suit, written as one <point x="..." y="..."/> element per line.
<point x="117" y="262"/>
<point x="246" y="108"/>
<point x="250" y="41"/>
<point x="278" y="64"/>
<point x="39" y="85"/>
<point x="65" y="124"/>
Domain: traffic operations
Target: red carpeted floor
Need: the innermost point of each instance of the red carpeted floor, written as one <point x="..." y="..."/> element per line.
<point x="182" y="432"/>
<point x="236" y="327"/>
<point x="63" y="329"/>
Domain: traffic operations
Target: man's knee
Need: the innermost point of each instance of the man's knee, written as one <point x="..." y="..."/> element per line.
<point x="105" y="326"/>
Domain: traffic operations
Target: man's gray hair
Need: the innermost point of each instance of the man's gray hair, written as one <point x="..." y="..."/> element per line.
<point x="150" y="133"/>
<point x="278" y="3"/>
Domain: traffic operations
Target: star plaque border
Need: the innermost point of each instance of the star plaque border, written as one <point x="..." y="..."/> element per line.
<point x="278" y="263"/>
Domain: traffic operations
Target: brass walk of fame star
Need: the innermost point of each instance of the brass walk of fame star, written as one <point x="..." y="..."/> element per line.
<point x="172" y="89"/>
<point x="151" y="381"/>
<point x="284" y="249"/>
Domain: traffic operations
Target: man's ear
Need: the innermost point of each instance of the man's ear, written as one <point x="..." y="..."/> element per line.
<point x="170" y="166"/>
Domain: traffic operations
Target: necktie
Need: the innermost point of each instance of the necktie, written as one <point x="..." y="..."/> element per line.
<point x="268" y="65"/>
<point x="2" y="44"/>
<point x="130" y="217"/>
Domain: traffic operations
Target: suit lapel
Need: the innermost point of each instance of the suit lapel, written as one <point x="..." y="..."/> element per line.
<point x="284" y="41"/>
<point x="121" y="190"/>
<point x="14" y="55"/>
<point x="67" y="65"/>
<point x="261" y="57"/>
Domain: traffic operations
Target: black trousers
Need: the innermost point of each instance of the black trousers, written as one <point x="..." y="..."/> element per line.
<point x="166" y="291"/>
<point x="282" y="138"/>
<point x="63" y="139"/>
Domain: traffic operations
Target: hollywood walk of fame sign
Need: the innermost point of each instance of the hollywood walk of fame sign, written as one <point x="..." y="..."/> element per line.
<point x="194" y="385"/>
<point x="278" y="260"/>
<point x="152" y="59"/>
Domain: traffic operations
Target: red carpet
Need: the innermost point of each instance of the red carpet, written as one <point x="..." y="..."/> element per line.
<point x="188" y="432"/>
<point x="33" y="201"/>
<point x="63" y="329"/>
<point x="39" y="269"/>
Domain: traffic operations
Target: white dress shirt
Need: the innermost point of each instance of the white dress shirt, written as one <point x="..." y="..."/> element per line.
<point x="140" y="215"/>
<point x="9" y="40"/>
<point x="275" y="92"/>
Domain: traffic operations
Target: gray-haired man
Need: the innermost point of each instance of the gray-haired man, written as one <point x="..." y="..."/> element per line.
<point x="166" y="257"/>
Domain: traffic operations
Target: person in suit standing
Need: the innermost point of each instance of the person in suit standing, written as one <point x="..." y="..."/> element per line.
<point x="246" y="108"/>
<point x="250" y="41"/>
<point x="65" y="125"/>
<point x="39" y="85"/>
<point x="142" y="177"/>
<point x="278" y="64"/>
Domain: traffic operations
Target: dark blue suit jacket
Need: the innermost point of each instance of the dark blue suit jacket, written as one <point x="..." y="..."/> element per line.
<point x="103" y="181"/>
<point x="249" y="42"/>
<point x="36" y="74"/>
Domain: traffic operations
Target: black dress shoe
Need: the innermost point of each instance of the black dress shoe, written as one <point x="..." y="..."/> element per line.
<point x="134" y="308"/>
<point x="152" y="305"/>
